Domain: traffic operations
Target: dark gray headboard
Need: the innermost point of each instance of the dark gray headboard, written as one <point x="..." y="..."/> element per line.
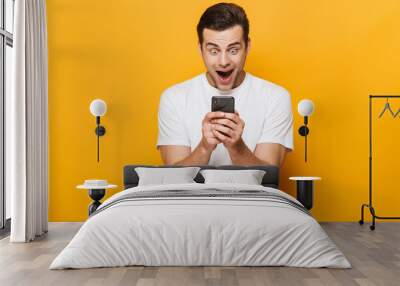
<point x="270" y="179"/>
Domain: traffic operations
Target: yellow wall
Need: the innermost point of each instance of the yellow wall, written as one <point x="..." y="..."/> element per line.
<point x="127" y="52"/>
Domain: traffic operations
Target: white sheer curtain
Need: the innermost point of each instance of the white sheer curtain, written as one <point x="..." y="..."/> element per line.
<point x="27" y="124"/>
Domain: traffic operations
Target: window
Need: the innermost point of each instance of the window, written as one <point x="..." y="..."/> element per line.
<point x="6" y="57"/>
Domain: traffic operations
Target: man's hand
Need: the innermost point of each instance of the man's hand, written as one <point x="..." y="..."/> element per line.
<point x="184" y="156"/>
<point x="209" y="141"/>
<point x="228" y="129"/>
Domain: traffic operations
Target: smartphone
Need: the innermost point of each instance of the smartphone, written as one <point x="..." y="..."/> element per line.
<point x="223" y="103"/>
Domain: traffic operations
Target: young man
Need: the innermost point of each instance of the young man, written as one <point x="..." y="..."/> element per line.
<point x="260" y="132"/>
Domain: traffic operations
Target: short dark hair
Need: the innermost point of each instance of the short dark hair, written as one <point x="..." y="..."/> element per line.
<point x="223" y="16"/>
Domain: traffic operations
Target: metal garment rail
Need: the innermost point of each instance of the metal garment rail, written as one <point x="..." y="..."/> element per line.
<point x="370" y="206"/>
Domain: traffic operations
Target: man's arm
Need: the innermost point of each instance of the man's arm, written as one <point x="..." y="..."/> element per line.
<point x="264" y="154"/>
<point x="182" y="156"/>
<point x="229" y="131"/>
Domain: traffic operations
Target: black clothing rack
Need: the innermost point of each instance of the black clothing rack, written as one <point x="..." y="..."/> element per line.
<point x="369" y="205"/>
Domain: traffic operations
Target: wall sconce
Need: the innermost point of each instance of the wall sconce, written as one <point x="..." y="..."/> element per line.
<point x="305" y="108"/>
<point x="98" y="108"/>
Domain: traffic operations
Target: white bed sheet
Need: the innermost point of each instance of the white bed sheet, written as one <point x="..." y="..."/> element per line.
<point x="200" y="231"/>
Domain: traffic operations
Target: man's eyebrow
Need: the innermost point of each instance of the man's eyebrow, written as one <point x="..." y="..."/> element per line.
<point x="234" y="44"/>
<point x="212" y="44"/>
<point x="230" y="45"/>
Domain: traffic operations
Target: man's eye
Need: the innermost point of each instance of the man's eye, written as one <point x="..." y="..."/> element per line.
<point x="233" y="51"/>
<point x="213" y="51"/>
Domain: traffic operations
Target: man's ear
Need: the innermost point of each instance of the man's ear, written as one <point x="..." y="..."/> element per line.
<point x="248" y="46"/>
<point x="200" y="51"/>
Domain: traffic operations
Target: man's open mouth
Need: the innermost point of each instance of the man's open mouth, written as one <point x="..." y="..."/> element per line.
<point x="225" y="74"/>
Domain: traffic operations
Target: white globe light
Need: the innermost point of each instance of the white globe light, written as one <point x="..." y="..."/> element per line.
<point x="98" y="107"/>
<point x="305" y="107"/>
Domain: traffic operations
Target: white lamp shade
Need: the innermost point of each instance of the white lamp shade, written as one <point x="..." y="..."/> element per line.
<point x="305" y="107"/>
<point x="98" y="107"/>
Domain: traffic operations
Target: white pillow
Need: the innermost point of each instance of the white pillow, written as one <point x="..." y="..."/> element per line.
<point x="248" y="177"/>
<point x="163" y="176"/>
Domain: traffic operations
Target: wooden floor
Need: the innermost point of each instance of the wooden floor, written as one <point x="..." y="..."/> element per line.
<point x="375" y="257"/>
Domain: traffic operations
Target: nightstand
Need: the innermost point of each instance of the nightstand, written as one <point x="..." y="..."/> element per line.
<point x="97" y="190"/>
<point x="305" y="190"/>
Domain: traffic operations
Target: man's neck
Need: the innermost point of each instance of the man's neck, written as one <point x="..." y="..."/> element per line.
<point x="238" y="80"/>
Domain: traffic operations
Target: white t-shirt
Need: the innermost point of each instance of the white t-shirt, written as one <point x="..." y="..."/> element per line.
<point x="264" y="107"/>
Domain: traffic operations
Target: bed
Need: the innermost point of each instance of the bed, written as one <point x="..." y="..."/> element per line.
<point x="201" y="224"/>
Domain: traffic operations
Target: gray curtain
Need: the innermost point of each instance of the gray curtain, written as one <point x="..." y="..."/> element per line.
<point x="27" y="124"/>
